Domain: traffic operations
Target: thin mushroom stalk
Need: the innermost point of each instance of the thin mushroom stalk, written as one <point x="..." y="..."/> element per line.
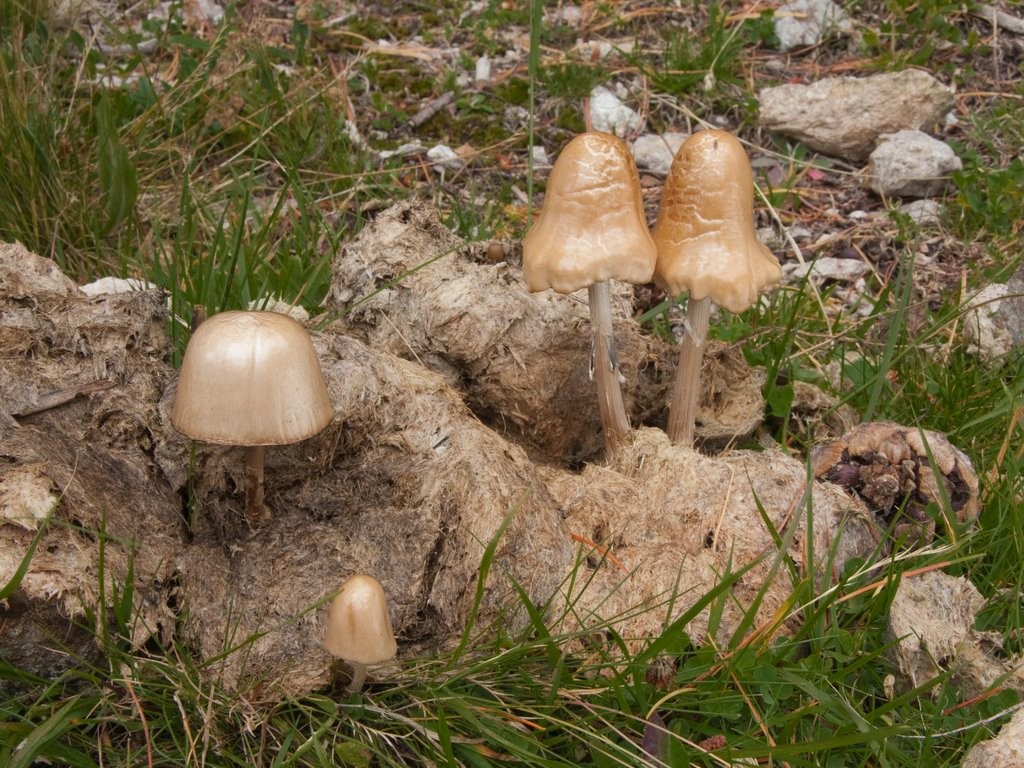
<point x="358" y="680"/>
<point x="256" y="512"/>
<point x="606" y="368"/>
<point x="682" y="413"/>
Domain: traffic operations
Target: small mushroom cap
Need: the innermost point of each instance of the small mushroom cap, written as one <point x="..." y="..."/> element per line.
<point x="705" y="229"/>
<point x="251" y="378"/>
<point x="591" y="226"/>
<point x="358" y="625"/>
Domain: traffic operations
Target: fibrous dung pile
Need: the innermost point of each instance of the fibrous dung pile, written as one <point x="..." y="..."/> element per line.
<point x="407" y="483"/>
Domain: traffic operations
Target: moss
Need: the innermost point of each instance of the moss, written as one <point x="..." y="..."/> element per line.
<point x="514" y="91"/>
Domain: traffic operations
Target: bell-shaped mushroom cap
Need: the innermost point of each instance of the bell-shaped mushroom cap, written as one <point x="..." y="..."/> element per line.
<point x="705" y="229"/>
<point x="358" y="625"/>
<point x="251" y="378"/>
<point x="592" y="225"/>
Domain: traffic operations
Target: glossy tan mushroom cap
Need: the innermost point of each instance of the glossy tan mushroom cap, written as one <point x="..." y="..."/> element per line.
<point x="358" y="625"/>
<point x="705" y="228"/>
<point x="592" y="225"/>
<point x="251" y="378"/>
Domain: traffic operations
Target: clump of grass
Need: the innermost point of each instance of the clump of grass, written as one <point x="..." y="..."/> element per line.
<point x="916" y="34"/>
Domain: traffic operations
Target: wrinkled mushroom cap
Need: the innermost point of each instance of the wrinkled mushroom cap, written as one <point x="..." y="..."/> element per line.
<point x="358" y="625"/>
<point x="251" y="378"/>
<point x="705" y="229"/>
<point x="591" y="226"/>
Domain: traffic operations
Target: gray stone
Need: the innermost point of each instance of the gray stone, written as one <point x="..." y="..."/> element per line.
<point x="655" y="153"/>
<point x="994" y="319"/>
<point x="805" y="22"/>
<point x="844" y="116"/>
<point x="609" y="114"/>
<point x="444" y="157"/>
<point x="910" y="164"/>
<point x="924" y="213"/>
<point x="827" y="268"/>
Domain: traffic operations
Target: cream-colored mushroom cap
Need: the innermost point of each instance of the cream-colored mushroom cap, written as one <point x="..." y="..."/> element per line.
<point x="591" y="227"/>
<point x="358" y="625"/>
<point x="705" y="229"/>
<point x="251" y="378"/>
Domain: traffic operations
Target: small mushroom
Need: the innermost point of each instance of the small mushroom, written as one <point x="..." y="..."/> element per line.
<point x="251" y="379"/>
<point x="707" y="248"/>
<point x="591" y="228"/>
<point x="359" y="627"/>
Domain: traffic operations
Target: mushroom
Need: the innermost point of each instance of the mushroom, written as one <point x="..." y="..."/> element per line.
<point x="592" y="228"/>
<point x="707" y="247"/>
<point x="359" y="628"/>
<point x="251" y="379"/>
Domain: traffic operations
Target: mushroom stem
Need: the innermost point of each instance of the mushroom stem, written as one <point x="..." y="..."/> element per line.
<point x="358" y="677"/>
<point x="606" y="368"/>
<point x="682" y="410"/>
<point x="256" y="512"/>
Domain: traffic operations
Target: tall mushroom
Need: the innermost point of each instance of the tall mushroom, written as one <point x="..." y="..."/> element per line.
<point x="251" y="379"/>
<point x="359" y="627"/>
<point x="591" y="228"/>
<point x="707" y="247"/>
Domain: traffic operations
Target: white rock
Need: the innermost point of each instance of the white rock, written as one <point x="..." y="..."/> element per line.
<point x="104" y="286"/>
<point x="770" y="238"/>
<point x="205" y="9"/>
<point x="570" y="15"/>
<point x="194" y="11"/>
<point x="655" y="153"/>
<point x="444" y="157"/>
<point x="910" y="164"/>
<point x="982" y="327"/>
<point x="609" y="114"/>
<point x="540" y="156"/>
<point x="483" y="70"/>
<point x="410" y="148"/>
<point x="798" y="232"/>
<point x="827" y="268"/>
<point x="805" y="22"/>
<point x="924" y="213"/>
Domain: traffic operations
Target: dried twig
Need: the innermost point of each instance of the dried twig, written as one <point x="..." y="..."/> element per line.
<point x="431" y="108"/>
<point x="64" y="396"/>
<point x="999" y="19"/>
